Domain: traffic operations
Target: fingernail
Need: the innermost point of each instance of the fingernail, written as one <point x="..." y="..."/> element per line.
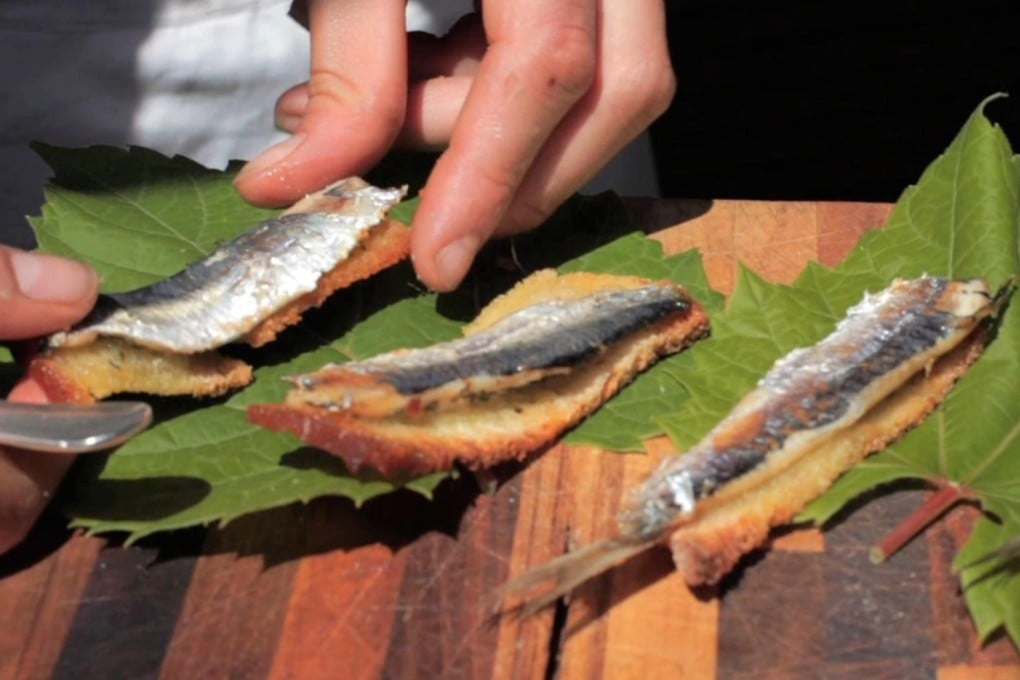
<point x="454" y="259"/>
<point x="271" y="156"/>
<point x="48" y="278"/>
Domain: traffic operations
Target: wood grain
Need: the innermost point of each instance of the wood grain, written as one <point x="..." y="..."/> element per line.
<point x="38" y="601"/>
<point x="401" y="588"/>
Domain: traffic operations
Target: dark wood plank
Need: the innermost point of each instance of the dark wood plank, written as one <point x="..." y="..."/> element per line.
<point x="126" y="616"/>
<point x="640" y="620"/>
<point x="41" y="585"/>
<point x="840" y="226"/>
<point x="406" y="596"/>
<point x="442" y="626"/>
<point x="771" y="623"/>
<point x="878" y="618"/>
<point x="957" y="642"/>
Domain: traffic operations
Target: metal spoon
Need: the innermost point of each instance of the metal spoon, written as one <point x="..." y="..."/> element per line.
<point x="70" y="428"/>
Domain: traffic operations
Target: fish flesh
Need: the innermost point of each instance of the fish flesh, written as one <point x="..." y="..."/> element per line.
<point x="818" y="401"/>
<point x="883" y="340"/>
<point x="536" y="361"/>
<point x="530" y="344"/>
<point x="164" y="338"/>
<point x="223" y="297"/>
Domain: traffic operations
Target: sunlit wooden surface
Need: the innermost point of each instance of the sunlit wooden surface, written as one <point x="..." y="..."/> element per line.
<point x="398" y="589"/>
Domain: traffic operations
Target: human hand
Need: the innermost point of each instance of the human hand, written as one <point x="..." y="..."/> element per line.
<point x="530" y="102"/>
<point x="39" y="294"/>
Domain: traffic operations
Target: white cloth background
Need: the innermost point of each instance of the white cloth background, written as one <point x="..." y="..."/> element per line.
<point x="191" y="77"/>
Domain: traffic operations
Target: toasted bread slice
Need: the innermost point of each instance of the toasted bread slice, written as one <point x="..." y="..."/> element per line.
<point x="493" y="427"/>
<point x="110" y="366"/>
<point x="728" y="526"/>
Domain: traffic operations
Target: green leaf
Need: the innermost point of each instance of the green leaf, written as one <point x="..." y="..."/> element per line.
<point x="139" y="216"/>
<point x="211" y="465"/>
<point x="643" y="408"/>
<point x="960" y="220"/>
<point x="136" y="215"/>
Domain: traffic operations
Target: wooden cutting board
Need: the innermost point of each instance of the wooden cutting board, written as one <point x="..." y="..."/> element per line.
<point x="397" y="588"/>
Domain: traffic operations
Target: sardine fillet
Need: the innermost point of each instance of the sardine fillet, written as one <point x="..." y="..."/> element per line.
<point x="820" y="409"/>
<point x="710" y="546"/>
<point x="384" y="245"/>
<point x="107" y="365"/>
<point x="505" y="425"/>
<point x="280" y="263"/>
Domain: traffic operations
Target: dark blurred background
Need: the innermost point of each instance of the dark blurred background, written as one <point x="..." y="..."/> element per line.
<point x="821" y="100"/>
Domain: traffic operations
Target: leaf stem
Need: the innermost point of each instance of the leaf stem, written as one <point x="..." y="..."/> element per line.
<point x="946" y="495"/>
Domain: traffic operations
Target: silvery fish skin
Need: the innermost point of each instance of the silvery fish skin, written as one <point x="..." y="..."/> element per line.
<point x="537" y="341"/>
<point x="218" y="299"/>
<point x="883" y="340"/>
<point x="810" y="395"/>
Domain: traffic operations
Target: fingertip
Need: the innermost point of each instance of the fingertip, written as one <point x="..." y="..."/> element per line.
<point x="443" y="268"/>
<point x="336" y="139"/>
<point x="266" y="179"/>
<point x="41" y="293"/>
<point x="348" y="113"/>
<point x="48" y="279"/>
<point x="28" y="391"/>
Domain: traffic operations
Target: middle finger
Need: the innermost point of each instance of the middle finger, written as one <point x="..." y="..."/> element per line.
<point x="540" y="61"/>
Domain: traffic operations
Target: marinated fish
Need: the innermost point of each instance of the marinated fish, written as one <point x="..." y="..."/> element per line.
<point x="226" y="295"/>
<point x="819" y="410"/>
<point x="533" y="343"/>
<point x="535" y="362"/>
<point x="162" y="339"/>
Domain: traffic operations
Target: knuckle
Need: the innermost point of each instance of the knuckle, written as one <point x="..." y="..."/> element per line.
<point x="645" y="87"/>
<point x="326" y="84"/>
<point x="499" y="183"/>
<point x="336" y="91"/>
<point x="565" y="60"/>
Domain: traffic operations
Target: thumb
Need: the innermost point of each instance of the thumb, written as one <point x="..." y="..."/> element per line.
<point x="42" y="293"/>
<point x="355" y="102"/>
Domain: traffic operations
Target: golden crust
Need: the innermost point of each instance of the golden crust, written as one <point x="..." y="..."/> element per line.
<point x="727" y="527"/>
<point x="505" y="426"/>
<point x="109" y="366"/>
<point x="545" y="286"/>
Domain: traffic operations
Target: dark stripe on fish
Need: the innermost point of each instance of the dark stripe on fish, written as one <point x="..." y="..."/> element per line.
<point x="546" y="335"/>
<point x="179" y="296"/>
<point x="809" y="390"/>
<point x="218" y="299"/>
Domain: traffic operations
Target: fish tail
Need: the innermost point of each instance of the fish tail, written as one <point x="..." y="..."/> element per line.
<point x="547" y="583"/>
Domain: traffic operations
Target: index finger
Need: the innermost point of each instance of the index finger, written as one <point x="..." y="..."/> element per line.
<point x="356" y="101"/>
<point x="540" y="61"/>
